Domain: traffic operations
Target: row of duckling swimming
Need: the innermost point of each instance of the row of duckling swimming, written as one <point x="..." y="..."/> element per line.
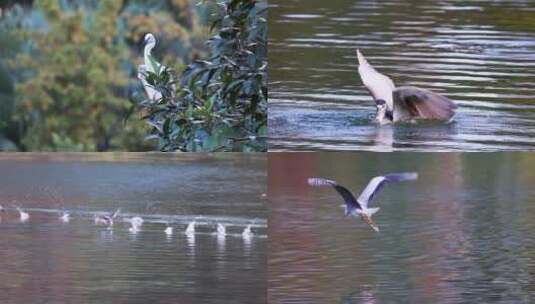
<point x="135" y="223"/>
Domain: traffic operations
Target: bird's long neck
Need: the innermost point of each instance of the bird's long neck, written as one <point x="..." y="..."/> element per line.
<point x="148" y="52"/>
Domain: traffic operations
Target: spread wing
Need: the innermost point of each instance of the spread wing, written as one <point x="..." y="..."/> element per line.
<point x="379" y="85"/>
<point x="351" y="202"/>
<point x="116" y="213"/>
<point x="412" y="102"/>
<point x="377" y="183"/>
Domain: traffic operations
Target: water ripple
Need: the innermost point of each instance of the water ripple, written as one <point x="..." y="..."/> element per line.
<point x="480" y="56"/>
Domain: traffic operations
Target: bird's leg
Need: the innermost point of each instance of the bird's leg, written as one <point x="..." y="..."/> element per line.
<point x="370" y="222"/>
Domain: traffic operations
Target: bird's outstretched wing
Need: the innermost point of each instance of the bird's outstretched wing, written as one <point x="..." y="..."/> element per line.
<point x="380" y="86"/>
<point x="351" y="202"/>
<point x="377" y="183"/>
<point x="416" y="103"/>
<point x="116" y="213"/>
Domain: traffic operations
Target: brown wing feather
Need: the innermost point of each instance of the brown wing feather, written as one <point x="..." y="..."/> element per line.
<point x="416" y="103"/>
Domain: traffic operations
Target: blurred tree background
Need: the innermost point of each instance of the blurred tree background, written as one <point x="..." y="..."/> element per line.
<point x="68" y="69"/>
<point x="221" y="101"/>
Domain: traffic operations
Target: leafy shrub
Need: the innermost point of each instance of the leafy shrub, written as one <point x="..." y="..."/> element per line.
<point x="221" y="102"/>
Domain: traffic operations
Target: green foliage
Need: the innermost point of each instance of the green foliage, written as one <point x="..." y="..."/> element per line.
<point x="72" y="64"/>
<point x="73" y="102"/>
<point x="221" y="103"/>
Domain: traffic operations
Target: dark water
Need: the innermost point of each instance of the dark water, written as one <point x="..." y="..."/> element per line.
<point x="481" y="54"/>
<point x="461" y="233"/>
<point x="45" y="260"/>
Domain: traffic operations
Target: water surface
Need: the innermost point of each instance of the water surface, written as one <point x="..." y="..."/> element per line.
<point x="461" y="233"/>
<point x="481" y="55"/>
<point x="45" y="260"/>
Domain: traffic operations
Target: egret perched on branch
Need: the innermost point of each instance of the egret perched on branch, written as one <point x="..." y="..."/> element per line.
<point x="150" y="65"/>
<point x="359" y="206"/>
<point x="402" y="103"/>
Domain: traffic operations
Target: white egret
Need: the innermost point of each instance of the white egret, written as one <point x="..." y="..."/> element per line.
<point x="65" y="217"/>
<point x="168" y="230"/>
<point x="359" y="206"/>
<point x="247" y="233"/>
<point x="150" y="64"/>
<point x="190" y="230"/>
<point x="136" y="222"/>
<point x="403" y="103"/>
<point x="221" y="230"/>
<point x="24" y="216"/>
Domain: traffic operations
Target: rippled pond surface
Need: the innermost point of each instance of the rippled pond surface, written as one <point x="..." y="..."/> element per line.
<point x="481" y="54"/>
<point x="461" y="233"/>
<point x="45" y="260"/>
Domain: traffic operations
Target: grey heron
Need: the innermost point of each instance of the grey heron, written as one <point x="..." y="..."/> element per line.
<point x="353" y="206"/>
<point x="404" y="103"/>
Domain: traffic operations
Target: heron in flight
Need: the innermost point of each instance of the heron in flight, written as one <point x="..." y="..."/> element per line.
<point x="405" y="103"/>
<point x="107" y="220"/>
<point x="359" y="206"/>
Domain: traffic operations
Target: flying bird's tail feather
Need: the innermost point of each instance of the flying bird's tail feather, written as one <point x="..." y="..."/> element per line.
<point x="372" y="211"/>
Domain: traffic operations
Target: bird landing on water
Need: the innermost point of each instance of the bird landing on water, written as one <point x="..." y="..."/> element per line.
<point x="354" y="206"/>
<point x="405" y="103"/>
<point x="107" y="220"/>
